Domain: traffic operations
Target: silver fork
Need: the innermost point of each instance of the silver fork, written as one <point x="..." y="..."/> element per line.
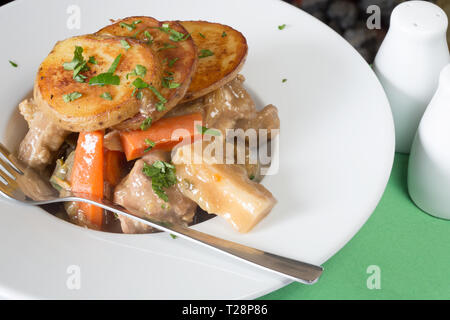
<point x="24" y="186"/>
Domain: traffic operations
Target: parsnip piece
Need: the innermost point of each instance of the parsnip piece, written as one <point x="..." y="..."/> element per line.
<point x="223" y="189"/>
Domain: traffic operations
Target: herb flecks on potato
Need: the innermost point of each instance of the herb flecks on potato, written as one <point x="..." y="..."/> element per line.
<point x="71" y="90"/>
<point x="176" y="53"/>
<point x="222" y="53"/>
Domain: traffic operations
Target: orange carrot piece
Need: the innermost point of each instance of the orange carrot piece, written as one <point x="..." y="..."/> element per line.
<point x="87" y="173"/>
<point x="163" y="133"/>
<point x="113" y="166"/>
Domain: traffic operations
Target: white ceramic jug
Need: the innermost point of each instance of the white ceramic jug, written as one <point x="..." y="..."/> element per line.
<point x="408" y="64"/>
<point x="429" y="161"/>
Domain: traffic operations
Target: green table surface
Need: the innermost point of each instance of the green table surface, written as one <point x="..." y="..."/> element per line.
<point x="410" y="247"/>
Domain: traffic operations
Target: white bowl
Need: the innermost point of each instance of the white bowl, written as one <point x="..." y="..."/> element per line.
<point x="336" y="153"/>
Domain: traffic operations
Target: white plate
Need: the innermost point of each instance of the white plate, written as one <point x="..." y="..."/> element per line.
<point x="337" y="147"/>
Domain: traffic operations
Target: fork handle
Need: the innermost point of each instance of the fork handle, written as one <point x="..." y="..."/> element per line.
<point x="295" y="270"/>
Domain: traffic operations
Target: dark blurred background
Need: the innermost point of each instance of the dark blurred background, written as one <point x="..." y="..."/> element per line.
<point x="348" y="18"/>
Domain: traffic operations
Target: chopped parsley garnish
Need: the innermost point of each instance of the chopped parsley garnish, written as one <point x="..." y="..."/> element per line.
<point x="163" y="177"/>
<point x="150" y="144"/>
<point x="77" y="59"/>
<point x="284" y="80"/>
<point x="148" y="36"/>
<point x="106" y="96"/>
<point x="173" y="85"/>
<point x="139" y="71"/>
<point x="174" y="35"/>
<point x="125" y="44"/>
<point x="282" y="27"/>
<point x="139" y="95"/>
<point x="92" y="60"/>
<point x="141" y="84"/>
<point x="15" y="65"/>
<point x="168" y="83"/>
<point x="115" y="63"/>
<point x="129" y="26"/>
<point x="172" y="235"/>
<point x="252" y="177"/>
<point x="202" y="35"/>
<point x="166" y="46"/>
<point x="172" y="62"/>
<point x="224" y="34"/>
<point x="77" y="65"/>
<point x="80" y="78"/>
<point x="107" y="77"/>
<point x="146" y="124"/>
<point x="204" y="130"/>
<point x="205" y="53"/>
<point x="164" y="28"/>
<point x="160" y="106"/>
<point x="71" y="96"/>
<point x="158" y="95"/>
<point x="104" y="79"/>
<point x="178" y="36"/>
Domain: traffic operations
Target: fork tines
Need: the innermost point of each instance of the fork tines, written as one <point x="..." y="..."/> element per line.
<point x="8" y="172"/>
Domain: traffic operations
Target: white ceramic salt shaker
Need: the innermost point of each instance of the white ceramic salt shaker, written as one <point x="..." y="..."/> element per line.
<point x="429" y="161"/>
<point x="408" y="64"/>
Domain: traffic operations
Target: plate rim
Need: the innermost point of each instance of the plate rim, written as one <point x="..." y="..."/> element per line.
<point x="388" y="164"/>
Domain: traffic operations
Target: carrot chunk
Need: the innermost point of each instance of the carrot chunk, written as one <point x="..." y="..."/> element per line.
<point x="163" y="135"/>
<point x="113" y="166"/>
<point x="87" y="173"/>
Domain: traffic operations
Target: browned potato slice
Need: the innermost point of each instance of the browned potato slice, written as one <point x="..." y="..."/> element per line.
<point x="229" y="48"/>
<point x="178" y="58"/>
<point x="90" y="111"/>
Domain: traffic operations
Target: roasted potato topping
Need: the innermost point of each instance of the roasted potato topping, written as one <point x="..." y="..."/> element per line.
<point x="175" y="50"/>
<point x="222" y="52"/>
<point x="78" y="106"/>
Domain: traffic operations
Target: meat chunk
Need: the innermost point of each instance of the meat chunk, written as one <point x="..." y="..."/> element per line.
<point x="111" y="141"/>
<point x="266" y="118"/>
<point x="132" y="226"/>
<point x="43" y="139"/>
<point x="31" y="182"/>
<point x="135" y="193"/>
<point x="221" y="108"/>
<point x="230" y="106"/>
